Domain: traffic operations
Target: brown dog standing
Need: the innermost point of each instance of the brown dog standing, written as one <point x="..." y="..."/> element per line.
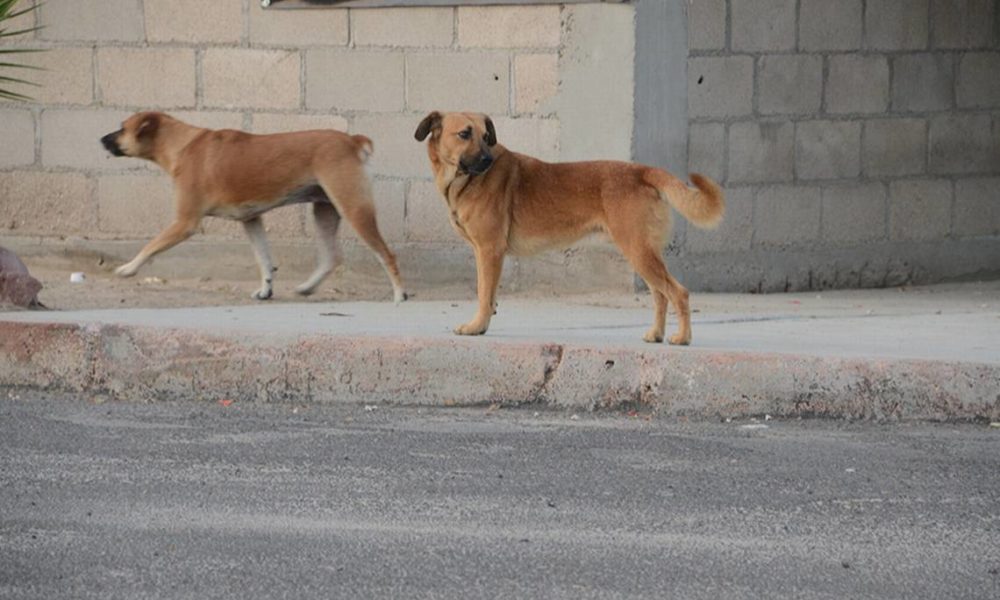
<point x="501" y="201"/>
<point x="240" y="176"/>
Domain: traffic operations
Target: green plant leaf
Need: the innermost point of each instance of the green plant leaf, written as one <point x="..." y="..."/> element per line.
<point x="8" y="12"/>
<point x="5" y="33"/>
<point x="20" y="66"/>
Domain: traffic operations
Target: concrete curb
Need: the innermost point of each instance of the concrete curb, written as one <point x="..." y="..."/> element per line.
<point x="130" y="362"/>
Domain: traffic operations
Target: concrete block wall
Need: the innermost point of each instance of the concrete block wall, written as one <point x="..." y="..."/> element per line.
<point x="859" y="142"/>
<point x="232" y="64"/>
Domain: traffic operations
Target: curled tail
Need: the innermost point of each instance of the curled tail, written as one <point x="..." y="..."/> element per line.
<point x="365" y="147"/>
<point x="703" y="205"/>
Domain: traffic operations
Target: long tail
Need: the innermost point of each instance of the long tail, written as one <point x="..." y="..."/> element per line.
<point x="703" y="205"/>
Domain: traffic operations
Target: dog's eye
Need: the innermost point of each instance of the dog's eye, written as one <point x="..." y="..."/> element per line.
<point x="465" y="134"/>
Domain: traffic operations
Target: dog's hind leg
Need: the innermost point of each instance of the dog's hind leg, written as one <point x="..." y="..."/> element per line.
<point x="328" y="255"/>
<point x="650" y="266"/>
<point x="258" y="239"/>
<point x="638" y="235"/>
<point x="655" y="333"/>
<point x="353" y="200"/>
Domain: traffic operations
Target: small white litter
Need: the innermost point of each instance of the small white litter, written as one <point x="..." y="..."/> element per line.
<point x="77" y="277"/>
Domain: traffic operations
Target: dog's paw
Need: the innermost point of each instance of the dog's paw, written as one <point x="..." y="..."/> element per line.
<point x="305" y="290"/>
<point x="470" y="329"/>
<point x="653" y="337"/>
<point x="679" y="340"/>
<point x="126" y="270"/>
<point x="262" y="294"/>
<point x="400" y="296"/>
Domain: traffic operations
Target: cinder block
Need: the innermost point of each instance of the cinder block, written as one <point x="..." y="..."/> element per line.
<point x="733" y="234"/>
<point x="961" y="144"/>
<point x="761" y="151"/>
<point x="91" y="20"/>
<point x="857" y="84"/>
<point x="298" y="28"/>
<point x="854" y="213"/>
<point x="979" y="80"/>
<point x="427" y="217"/>
<point x="146" y="77"/>
<point x="922" y="82"/>
<point x="828" y="149"/>
<point x="919" y="209"/>
<point x="894" y="147"/>
<point x="707" y="25"/>
<point x="67" y="75"/>
<point x="244" y="78"/>
<point x="17" y="130"/>
<point x="509" y="26"/>
<point x="536" y="83"/>
<point x="71" y="138"/>
<point x="134" y="205"/>
<point x="790" y="84"/>
<point x="763" y="25"/>
<point x="470" y="81"/>
<point x="409" y="26"/>
<point x="830" y="25"/>
<point x="720" y="86"/>
<point x="977" y="207"/>
<point x="535" y="137"/>
<point x="390" y="210"/>
<point x="786" y="215"/>
<point x="354" y="80"/>
<point x="194" y="21"/>
<point x="961" y="25"/>
<point x="896" y="24"/>
<point x="396" y="152"/>
<point x="707" y="149"/>
<point x="38" y="203"/>
<point x="283" y="122"/>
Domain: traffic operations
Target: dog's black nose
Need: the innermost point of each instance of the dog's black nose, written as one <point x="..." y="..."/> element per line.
<point x="110" y="143"/>
<point x="485" y="162"/>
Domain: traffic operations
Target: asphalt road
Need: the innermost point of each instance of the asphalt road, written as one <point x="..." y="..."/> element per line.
<point x="116" y="500"/>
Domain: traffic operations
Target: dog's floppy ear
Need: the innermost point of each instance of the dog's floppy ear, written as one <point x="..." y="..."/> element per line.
<point x="491" y="133"/>
<point x="430" y="122"/>
<point x="148" y="126"/>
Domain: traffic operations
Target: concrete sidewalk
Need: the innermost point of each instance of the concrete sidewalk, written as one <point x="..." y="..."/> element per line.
<point x="926" y="353"/>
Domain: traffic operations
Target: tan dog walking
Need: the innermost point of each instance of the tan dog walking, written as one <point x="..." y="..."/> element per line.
<point x="503" y="202"/>
<point x="237" y="175"/>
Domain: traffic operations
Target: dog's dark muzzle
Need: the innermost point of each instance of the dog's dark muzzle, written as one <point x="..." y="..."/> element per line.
<point x="482" y="164"/>
<point x="110" y="143"/>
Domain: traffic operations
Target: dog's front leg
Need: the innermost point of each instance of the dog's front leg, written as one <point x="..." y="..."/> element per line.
<point x="176" y="233"/>
<point x="489" y="264"/>
<point x="258" y="239"/>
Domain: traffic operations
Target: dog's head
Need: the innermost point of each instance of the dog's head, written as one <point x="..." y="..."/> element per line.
<point x="137" y="136"/>
<point x="462" y="140"/>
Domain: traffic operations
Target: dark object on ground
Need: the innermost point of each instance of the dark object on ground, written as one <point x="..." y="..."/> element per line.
<point x="17" y="286"/>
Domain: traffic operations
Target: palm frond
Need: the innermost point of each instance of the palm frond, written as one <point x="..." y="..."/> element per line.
<point x="14" y="96"/>
<point x="21" y="66"/>
<point x="16" y="80"/>
<point x="8" y="12"/>
<point x="5" y="33"/>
